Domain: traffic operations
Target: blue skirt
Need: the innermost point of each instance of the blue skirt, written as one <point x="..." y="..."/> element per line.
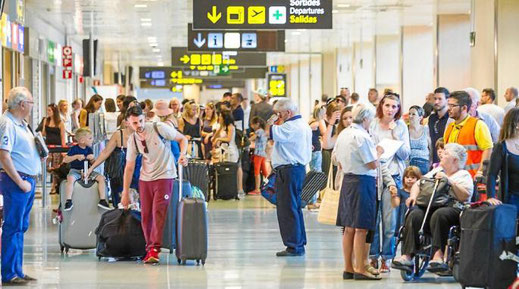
<point x="358" y="202"/>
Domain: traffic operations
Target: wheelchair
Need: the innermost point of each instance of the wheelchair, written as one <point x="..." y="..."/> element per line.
<point x="424" y="253"/>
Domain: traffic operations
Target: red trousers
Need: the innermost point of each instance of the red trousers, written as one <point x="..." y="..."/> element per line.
<point x="260" y="165"/>
<point x="155" y="198"/>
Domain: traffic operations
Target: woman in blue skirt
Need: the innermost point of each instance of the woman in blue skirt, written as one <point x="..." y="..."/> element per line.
<point x="358" y="159"/>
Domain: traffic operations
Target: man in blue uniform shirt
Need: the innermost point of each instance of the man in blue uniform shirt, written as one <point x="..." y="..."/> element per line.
<point x="19" y="167"/>
<point x="292" y="151"/>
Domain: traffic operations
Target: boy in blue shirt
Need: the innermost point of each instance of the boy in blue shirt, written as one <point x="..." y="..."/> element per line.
<point x="76" y="156"/>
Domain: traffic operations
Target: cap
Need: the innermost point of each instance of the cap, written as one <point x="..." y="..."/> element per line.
<point x="162" y="108"/>
<point x="262" y="92"/>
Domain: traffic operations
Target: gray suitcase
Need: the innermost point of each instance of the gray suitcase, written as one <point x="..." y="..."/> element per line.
<point x="77" y="227"/>
<point x="170" y="226"/>
<point x="191" y="229"/>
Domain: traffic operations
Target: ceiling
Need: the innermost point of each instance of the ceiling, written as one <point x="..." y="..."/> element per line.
<point x="141" y="32"/>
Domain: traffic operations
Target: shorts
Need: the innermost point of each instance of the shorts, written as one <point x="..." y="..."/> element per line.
<point x="78" y="174"/>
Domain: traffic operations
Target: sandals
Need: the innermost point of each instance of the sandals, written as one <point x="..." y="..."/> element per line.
<point x="365" y="277"/>
<point x="371" y="270"/>
<point x="402" y="264"/>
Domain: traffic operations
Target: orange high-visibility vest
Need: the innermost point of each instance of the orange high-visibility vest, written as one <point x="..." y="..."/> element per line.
<point x="467" y="138"/>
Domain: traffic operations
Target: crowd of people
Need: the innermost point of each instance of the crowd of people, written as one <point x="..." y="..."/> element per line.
<point x="376" y="151"/>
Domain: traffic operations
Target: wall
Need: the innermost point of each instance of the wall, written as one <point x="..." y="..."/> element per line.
<point x="364" y="74"/>
<point x="454" y="51"/>
<point x="508" y="44"/>
<point x="418" y="65"/>
<point x="482" y="54"/>
<point x="387" y="64"/>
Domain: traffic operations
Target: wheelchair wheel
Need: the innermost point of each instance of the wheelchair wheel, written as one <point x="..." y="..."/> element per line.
<point x="406" y="276"/>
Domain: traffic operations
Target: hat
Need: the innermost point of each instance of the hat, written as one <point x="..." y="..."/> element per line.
<point x="262" y="92"/>
<point x="162" y="108"/>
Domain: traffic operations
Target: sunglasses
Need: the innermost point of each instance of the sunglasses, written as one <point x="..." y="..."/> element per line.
<point x="143" y="143"/>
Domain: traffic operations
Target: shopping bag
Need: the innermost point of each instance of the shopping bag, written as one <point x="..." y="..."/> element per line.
<point x="329" y="204"/>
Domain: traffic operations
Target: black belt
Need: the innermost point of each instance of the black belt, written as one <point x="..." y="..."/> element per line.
<point x="21" y="174"/>
<point x="287" y="166"/>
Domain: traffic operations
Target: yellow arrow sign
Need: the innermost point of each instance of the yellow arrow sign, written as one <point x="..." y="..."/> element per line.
<point x="214" y="16"/>
<point x="185" y="59"/>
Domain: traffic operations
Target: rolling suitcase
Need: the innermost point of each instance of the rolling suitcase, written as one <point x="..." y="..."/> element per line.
<point x="198" y="175"/>
<point x="170" y="227"/>
<point x="486" y="232"/>
<point x="226" y="179"/>
<point x="77" y="226"/>
<point x="191" y="229"/>
<point x="314" y="182"/>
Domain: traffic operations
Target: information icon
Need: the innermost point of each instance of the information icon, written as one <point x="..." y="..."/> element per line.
<point x="215" y="40"/>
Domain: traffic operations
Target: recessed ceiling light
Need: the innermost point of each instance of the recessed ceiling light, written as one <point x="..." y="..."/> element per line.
<point x="145" y="19"/>
<point x="156" y="50"/>
<point x="343" y="5"/>
<point x="141" y="6"/>
<point x="146" y="24"/>
<point x="335" y="11"/>
<point x="152" y="39"/>
<point x="160" y="63"/>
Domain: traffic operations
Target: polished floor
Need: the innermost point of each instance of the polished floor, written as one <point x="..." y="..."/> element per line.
<point x="243" y="239"/>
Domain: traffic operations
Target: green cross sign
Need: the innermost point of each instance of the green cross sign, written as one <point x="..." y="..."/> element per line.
<point x="277" y="15"/>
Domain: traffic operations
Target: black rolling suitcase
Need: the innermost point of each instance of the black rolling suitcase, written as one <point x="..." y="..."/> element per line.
<point x="191" y="229"/>
<point x="226" y="180"/>
<point x="314" y="182"/>
<point x="486" y="232"/>
<point x="198" y="175"/>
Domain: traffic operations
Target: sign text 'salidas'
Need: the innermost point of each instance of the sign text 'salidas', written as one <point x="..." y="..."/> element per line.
<point x="303" y="11"/>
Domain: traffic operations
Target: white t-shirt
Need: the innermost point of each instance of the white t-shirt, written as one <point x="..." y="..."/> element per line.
<point x="493" y="110"/>
<point x="461" y="178"/>
<point x="158" y="163"/>
<point x="354" y="149"/>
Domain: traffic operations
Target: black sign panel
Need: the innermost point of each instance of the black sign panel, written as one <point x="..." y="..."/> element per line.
<point x="262" y="14"/>
<point x="250" y="72"/>
<point x="219" y="40"/>
<point x="181" y="57"/>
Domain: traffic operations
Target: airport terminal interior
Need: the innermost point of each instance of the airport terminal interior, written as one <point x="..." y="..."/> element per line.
<point x="211" y="68"/>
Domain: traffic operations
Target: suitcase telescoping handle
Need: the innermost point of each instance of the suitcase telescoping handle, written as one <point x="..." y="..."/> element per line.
<point x="180" y="181"/>
<point x="85" y="170"/>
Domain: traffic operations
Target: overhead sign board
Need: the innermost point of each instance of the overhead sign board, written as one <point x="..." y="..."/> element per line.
<point x="262" y="14"/>
<point x="207" y="61"/>
<point x="251" y="40"/>
<point x="277" y="84"/>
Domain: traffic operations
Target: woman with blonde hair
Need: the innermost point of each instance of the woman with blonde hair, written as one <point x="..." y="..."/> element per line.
<point x="208" y="128"/>
<point x="191" y="127"/>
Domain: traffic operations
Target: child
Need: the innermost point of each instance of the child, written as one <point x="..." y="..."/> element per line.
<point x="260" y="142"/>
<point x="75" y="156"/>
<point x="411" y="175"/>
<point x="440" y="146"/>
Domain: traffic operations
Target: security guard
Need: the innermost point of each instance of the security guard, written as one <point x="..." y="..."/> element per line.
<point x="292" y="152"/>
<point x="19" y="167"/>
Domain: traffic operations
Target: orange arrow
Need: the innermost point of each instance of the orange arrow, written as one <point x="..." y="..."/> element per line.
<point x="214" y="16"/>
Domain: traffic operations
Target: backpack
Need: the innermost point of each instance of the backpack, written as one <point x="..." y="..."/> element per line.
<point x="241" y="139"/>
<point x="155" y="127"/>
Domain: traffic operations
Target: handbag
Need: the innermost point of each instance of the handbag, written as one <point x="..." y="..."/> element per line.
<point x="268" y="190"/>
<point x="330" y="203"/>
<point x="442" y="196"/>
<point x="115" y="163"/>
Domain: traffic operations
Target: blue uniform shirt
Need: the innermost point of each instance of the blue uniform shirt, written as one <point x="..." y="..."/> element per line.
<point x="292" y="142"/>
<point x="18" y="140"/>
<point x="77" y="150"/>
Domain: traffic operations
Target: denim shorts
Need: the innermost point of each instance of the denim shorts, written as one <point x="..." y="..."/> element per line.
<point x="78" y="174"/>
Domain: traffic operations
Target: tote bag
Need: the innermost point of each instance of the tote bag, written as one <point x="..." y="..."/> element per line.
<point x="330" y="203"/>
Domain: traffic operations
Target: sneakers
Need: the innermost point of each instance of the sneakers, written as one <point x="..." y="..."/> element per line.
<point x="103" y="204"/>
<point x="68" y="205"/>
<point x="384" y="268"/>
<point x="255" y="192"/>
<point x="152" y="257"/>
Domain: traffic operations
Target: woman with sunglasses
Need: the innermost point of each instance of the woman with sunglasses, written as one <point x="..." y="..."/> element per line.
<point x="389" y="125"/>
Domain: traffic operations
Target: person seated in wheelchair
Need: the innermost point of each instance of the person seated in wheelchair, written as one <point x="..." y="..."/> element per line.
<point x="451" y="186"/>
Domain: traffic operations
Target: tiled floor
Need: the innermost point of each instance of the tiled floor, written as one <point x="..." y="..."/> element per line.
<point x="243" y="239"/>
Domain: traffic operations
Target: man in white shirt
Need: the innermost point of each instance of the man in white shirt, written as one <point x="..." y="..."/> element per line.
<point x="291" y="153"/>
<point x="152" y="140"/>
<point x="488" y="97"/>
<point x="511" y="96"/>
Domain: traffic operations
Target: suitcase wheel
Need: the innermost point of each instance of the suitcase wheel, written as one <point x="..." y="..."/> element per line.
<point x="198" y="262"/>
<point x="62" y="248"/>
<point x="203" y="262"/>
<point x="184" y="262"/>
<point x="179" y="261"/>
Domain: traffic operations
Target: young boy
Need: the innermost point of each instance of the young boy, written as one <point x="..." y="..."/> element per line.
<point x="76" y="156"/>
